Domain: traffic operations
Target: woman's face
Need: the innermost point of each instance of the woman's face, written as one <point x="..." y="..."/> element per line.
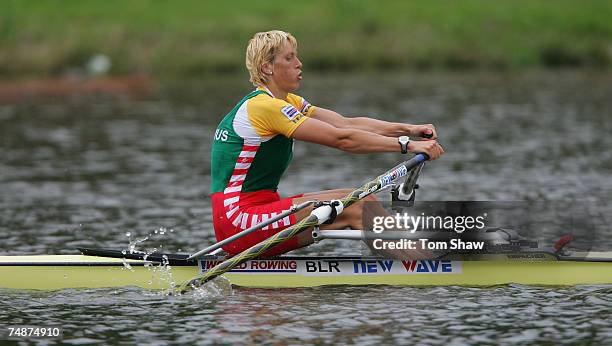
<point x="286" y="69"/>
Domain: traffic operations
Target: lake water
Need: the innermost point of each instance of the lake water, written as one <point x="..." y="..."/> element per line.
<point x="105" y="171"/>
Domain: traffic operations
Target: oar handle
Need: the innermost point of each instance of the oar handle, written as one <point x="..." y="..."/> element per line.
<point x="426" y="135"/>
<point x="420" y="157"/>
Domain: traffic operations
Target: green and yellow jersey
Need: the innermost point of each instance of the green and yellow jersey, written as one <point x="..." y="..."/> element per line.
<point x="253" y="144"/>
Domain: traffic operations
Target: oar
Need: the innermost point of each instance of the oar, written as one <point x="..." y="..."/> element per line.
<point x="317" y="217"/>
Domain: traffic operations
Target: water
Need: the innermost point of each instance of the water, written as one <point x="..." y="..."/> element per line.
<point x="356" y="315"/>
<point x="85" y="172"/>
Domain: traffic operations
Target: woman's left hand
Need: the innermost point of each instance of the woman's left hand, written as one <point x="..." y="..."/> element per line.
<point x="426" y="131"/>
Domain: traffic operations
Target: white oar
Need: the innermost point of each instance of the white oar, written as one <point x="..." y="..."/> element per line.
<point x="317" y="217"/>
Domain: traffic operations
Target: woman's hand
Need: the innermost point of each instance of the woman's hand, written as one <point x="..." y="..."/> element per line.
<point x="426" y="131"/>
<point x="430" y="147"/>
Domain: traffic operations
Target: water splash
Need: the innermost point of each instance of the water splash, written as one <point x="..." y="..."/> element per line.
<point x="160" y="272"/>
<point x="217" y="288"/>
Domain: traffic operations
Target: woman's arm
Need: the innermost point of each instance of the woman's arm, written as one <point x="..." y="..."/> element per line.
<point x="359" y="141"/>
<point x="380" y="127"/>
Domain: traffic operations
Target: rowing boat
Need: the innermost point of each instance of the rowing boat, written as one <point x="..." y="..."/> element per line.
<point x="99" y="268"/>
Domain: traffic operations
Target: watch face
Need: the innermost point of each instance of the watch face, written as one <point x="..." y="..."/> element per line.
<point x="403" y="141"/>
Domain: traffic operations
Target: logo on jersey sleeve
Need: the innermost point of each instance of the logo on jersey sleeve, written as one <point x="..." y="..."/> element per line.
<point x="291" y="113"/>
<point x="305" y="106"/>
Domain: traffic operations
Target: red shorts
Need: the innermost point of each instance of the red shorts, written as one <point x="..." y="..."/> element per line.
<point x="232" y="215"/>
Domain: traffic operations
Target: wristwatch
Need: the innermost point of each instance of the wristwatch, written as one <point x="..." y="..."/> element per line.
<point x="403" y="142"/>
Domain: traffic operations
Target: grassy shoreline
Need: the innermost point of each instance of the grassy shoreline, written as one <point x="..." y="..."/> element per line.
<point x="193" y="38"/>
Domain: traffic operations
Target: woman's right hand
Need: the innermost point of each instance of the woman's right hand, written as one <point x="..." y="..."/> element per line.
<point x="431" y="147"/>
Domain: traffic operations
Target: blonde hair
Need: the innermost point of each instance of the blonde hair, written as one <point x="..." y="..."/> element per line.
<point x="262" y="48"/>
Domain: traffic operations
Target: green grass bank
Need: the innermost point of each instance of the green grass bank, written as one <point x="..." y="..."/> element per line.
<point x="174" y="39"/>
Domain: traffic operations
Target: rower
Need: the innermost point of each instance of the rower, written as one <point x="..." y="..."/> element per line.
<point x="253" y="145"/>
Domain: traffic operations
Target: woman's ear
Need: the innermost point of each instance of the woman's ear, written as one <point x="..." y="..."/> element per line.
<point x="266" y="68"/>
